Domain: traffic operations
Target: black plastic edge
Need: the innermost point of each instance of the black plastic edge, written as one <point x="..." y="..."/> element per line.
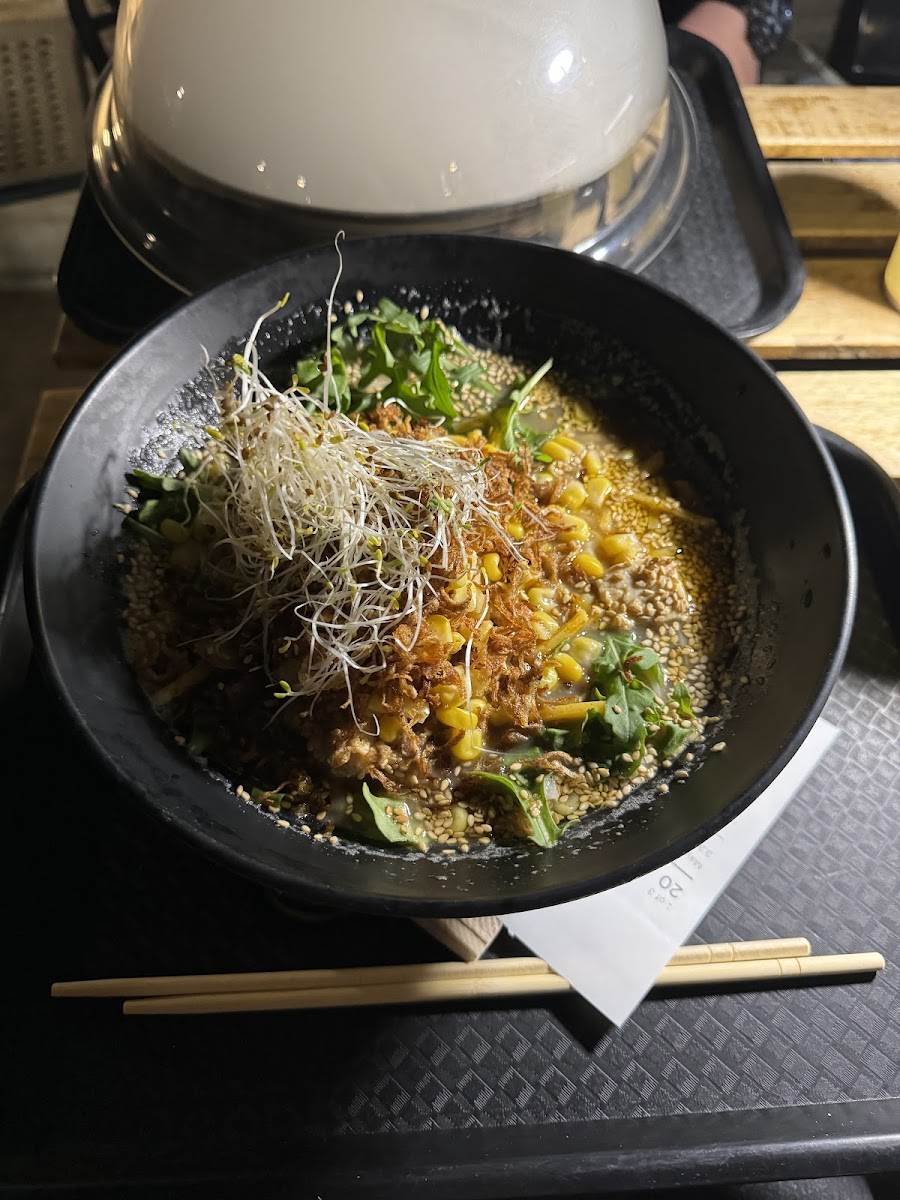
<point x="749" y="181"/>
<point x="577" y="1160"/>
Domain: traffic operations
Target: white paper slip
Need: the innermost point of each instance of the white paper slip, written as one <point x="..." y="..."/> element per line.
<point x="612" y="947"/>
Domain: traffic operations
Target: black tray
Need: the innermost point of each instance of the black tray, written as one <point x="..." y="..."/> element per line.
<point x="476" y="1101"/>
<point x="733" y="258"/>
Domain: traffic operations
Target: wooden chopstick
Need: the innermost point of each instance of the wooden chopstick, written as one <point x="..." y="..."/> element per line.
<point x="720" y="952"/>
<point x="329" y="977"/>
<point x="770" y="969"/>
<point x="467" y="987"/>
<point x="320" y="978"/>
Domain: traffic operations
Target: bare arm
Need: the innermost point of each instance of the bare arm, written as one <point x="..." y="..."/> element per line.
<point x="726" y="27"/>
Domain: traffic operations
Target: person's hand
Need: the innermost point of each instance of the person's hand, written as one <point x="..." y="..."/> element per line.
<point x="726" y="27"/>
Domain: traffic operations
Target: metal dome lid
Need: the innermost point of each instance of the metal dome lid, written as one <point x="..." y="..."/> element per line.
<point x="216" y="143"/>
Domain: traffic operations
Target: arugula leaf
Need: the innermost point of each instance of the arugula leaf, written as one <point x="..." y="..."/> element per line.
<point x="387" y="309"/>
<point x="388" y="826"/>
<point x="544" y="830"/>
<point x="511" y="432"/>
<point x="619" y="654"/>
<point x="682" y="696"/>
<point x="631" y="680"/>
<point x="436" y="383"/>
<point x="190" y="459"/>
<point x="403" y="356"/>
<point x="308" y="370"/>
<point x="621" y="717"/>
<point x="144" y="480"/>
<point x="671" y="739"/>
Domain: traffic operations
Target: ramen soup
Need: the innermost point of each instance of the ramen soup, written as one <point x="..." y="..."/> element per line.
<point x="420" y="594"/>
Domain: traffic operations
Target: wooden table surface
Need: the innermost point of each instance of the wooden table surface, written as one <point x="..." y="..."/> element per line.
<point x="834" y="154"/>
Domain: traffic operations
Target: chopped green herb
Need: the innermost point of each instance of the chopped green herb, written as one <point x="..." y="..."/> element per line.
<point x="388" y="826"/>
<point x="682" y="697"/>
<point x="671" y="740"/>
<point x="511" y="431"/>
<point x="544" y="830"/>
<point x="404" y="358"/>
<point x="631" y="681"/>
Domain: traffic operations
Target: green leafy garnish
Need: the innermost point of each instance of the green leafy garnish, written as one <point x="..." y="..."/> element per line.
<point x="544" y="830"/>
<point x="631" y="681"/>
<point x="262" y="796"/>
<point x="619" y="655"/>
<point x="190" y="459"/>
<point x="682" y="697"/>
<point x="389" y="827"/>
<point x="405" y="358"/>
<point x="671" y="739"/>
<point x="511" y="432"/>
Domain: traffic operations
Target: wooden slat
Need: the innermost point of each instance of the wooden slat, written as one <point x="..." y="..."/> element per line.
<point x="52" y="409"/>
<point x="841" y="206"/>
<point x="843" y="313"/>
<point x="826" y="122"/>
<point x="74" y="349"/>
<point x="862" y="406"/>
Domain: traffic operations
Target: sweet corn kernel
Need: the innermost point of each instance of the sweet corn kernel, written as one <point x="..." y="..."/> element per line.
<point x="590" y="565"/>
<point x="584" y="649"/>
<point x="447" y="695"/>
<point x="573" y="496"/>
<point x="173" y="532"/>
<point x="440" y="627"/>
<point x="569" y="444"/>
<point x="515" y="529"/>
<point x="460" y="587"/>
<point x="416" y="711"/>
<point x="477" y="600"/>
<point x="621" y="547"/>
<point x="549" y="677"/>
<point x="544" y="626"/>
<point x="544" y="477"/>
<point x="468" y="748"/>
<point x="491" y="564"/>
<point x="457" y="642"/>
<point x="457" y="718"/>
<point x="556" y="450"/>
<point x="592" y="463"/>
<point x="568" y="668"/>
<point x="477" y="705"/>
<point x="479" y="680"/>
<point x="542" y="598"/>
<point x="389" y="728"/>
<point x="482" y="633"/>
<point x="598" y="488"/>
<point x="576" y="530"/>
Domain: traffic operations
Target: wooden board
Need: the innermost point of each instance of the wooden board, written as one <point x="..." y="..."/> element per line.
<point x="841" y="207"/>
<point x="52" y="409"/>
<point x="843" y="313"/>
<point x="862" y="406"/>
<point x="825" y="122"/>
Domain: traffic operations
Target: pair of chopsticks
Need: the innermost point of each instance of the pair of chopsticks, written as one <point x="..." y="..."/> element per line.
<point x="429" y="983"/>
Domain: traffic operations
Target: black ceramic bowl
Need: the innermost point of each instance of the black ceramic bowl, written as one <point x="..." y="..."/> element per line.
<point x="725" y="421"/>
